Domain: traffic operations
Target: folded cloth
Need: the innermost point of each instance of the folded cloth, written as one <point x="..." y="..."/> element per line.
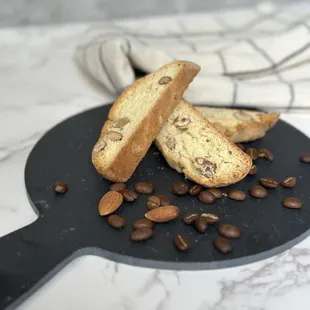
<point x="250" y="58"/>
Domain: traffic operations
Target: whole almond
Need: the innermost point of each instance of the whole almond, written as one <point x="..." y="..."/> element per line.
<point x="163" y="214"/>
<point x="110" y="202"/>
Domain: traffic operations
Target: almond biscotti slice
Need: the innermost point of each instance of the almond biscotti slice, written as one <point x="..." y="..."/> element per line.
<point x="136" y="118"/>
<point x="194" y="147"/>
<point x="239" y="125"/>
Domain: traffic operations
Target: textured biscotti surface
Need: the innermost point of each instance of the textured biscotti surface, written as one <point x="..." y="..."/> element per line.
<point x="194" y="147"/>
<point x="239" y="125"/>
<point x="136" y="118"/>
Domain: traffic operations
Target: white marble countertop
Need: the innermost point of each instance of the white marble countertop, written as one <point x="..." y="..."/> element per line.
<point x="40" y="86"/>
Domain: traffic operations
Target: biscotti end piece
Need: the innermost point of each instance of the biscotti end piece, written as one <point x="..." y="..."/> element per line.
<point x="136" y="118"/>
<point x="194" y="147"/>
<point x="239" y="125"/>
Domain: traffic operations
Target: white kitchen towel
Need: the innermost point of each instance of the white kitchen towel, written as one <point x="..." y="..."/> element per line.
<point x="251" y="58"/>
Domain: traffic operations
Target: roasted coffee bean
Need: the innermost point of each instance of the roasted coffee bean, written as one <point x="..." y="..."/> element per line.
<point x="253" y="170"/>
<point x="268" y="183"/>
<point x="258" y="192"/>
<point x="190" y="218"/>
<point x="142" y="223"/>
<point x="240" y="146"/>
<point x="236" y="194"/>
<point x="201" y="224"/>
<point x="206" y="197"/>
<point x="252" y="152"/>
<point x="229" y="231"/>
<point x="116" y="221"/>
<point x="164" y="201"/>
<point x="195" y="190"/>
<point x="180" y="189"/>
<point x="144" y="188"/>
<point x="289" y="182"/>
<point x="181" y="243"/>
<point x="60" y="187"/>
<point x="117" y="187"/>
<point x="211" y="218"/>
<point x="215" y="192"/>
<point x="153" y="202"/>
<point x="129" y="195"/>
<point x="292" y="203"/>
<point x="222" y="244"/>
<point x="265" y="153"/>
<point x="140" y="234"/>
<point x="305" y="158"/>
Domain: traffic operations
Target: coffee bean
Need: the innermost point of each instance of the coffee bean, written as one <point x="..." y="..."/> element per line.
<point x="140" y="234"/>
<point x="236" y="194"/>
<point x="201" y="224"/>
<point x="253" y="170"/>
<point x="181" y="243"/>
<point x="265" y="153"/>
<point x="195" y="190"/>
<point x="240" y="146"/>
<point x="117" y="187"/>
<point x="153" y="202"/>
<point x="206" y="197"/>
<point x="142" y="223"/>
<point x="222" y="244"/>
<point x="190" y="218"/>
<point x="211" y="218"/>
<point x="164" y="201"/>
<point x="305" y="158"/>
<point x="229" y="231"/>
<point x="144" y="188"/>
<point x="180" y="189"/>
<point x="60" y="187"/>
<point x="258" y="192"/>
<point x="289" y="182"/>
<point x="268" y="183"/>
<point x="252" y="152"/>
<point x="129" y="195"/>
<point x="292" y="203"/>
<point x="215" y="192"/>
<point x="116" y="221"/>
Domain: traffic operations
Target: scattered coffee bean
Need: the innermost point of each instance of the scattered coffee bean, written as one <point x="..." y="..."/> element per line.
<point x="181" y="243"/>
<point x="252" y="152"/>
<point x="153" y="202"/>
<point x="215" y="192"/>
<point x="268" y="183"/>
<point x="292" y="203"/>
<point x="229" y="231"/>
<point x="116" y="221"/>
<point x="60" y="187"/>
<point x="253" y="170"/>
<point x="265" y="153"/>
<point x="258" y="192"/>
<point x="236" y="194"/>
<point x="142" y="223"/>
<point x="305" y="158"/>
<point x="164" y="201"/>
<point x="180" y="189"/>
<point x="206" y="197"/>
<point x="222" y="244"/>
<point x="190" y="218"/>
<point x="141" y="234"/>
<point x="129" y="195"/>
<point x="211" y="218"/>
<point x="195" y="190"/>
<point x="144" y="188"/>
<point x="289" y="182"/>
<point x="240" y="146"/>
<point x="117" y="187"/>
<point x="201" y="224"/>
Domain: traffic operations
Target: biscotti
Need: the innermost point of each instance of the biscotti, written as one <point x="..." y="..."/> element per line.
<point x="194" y="147"/>
<point x="239" y="125"/>
<point x="136" y="118"/>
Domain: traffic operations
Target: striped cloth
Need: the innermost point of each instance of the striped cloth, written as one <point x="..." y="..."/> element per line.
<point x="249" y="58"/>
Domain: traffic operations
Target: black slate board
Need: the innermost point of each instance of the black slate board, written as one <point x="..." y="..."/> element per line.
<point x="69" y="225"/>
